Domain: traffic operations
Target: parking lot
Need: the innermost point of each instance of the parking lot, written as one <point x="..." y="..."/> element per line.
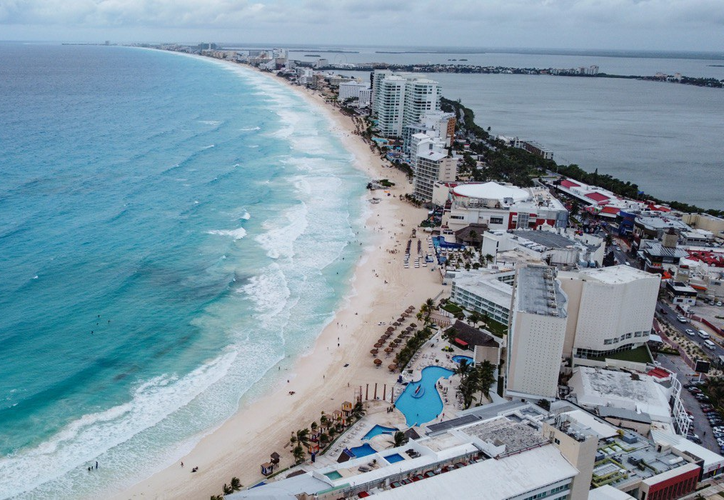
<point x="700" y="426"/>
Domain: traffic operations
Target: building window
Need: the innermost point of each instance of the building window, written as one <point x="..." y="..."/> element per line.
<point x="496" y="220"/>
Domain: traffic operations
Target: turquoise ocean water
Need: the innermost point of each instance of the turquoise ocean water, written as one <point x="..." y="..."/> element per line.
<point x="162" y="219"/>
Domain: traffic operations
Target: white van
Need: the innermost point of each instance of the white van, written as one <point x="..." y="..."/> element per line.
<point x="703" y="334"/>
<point x="710" y="344"/>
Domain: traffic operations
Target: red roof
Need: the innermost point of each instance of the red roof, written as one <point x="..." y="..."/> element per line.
<point x="610" y="210"/>
<point x="659" y="373"/>
<point x="569" y="184"/>
<point x="598" y="197"/>
<point x="460" y="342"/>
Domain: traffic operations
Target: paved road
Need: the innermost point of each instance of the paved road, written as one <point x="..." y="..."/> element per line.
<point x="685" y="375"/>
<point x="670" y="317"/>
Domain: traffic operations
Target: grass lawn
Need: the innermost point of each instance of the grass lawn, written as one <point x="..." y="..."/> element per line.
<point x="639" y="355"/>
<point x="452" y="308"/>
<point x="497" y="329"/>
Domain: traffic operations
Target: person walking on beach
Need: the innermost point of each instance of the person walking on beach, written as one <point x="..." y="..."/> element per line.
<point x="96" y="464"/>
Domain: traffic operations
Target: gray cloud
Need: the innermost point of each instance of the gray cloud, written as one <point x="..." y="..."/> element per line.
<point x="649" y="24"/>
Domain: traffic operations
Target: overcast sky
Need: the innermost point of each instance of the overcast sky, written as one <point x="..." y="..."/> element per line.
<point x="566" y="24"/>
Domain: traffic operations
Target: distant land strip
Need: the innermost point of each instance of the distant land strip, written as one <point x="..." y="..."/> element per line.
<point x="501" y="70"/>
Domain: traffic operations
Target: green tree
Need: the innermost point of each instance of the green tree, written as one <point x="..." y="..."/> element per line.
<point x="303" y="437"/>
<point x="485" y="377"/>
<point x="228" y="490"/>
<point x="236" y="484"/>
<point x="399" y="439"/>
<point x="298" y="453"/>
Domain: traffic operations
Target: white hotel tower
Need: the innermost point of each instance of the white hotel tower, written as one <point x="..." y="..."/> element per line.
<point x="401" y="99"/>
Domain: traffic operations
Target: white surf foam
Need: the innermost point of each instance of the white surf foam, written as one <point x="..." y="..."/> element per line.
<point x="279" y="239"/>
<point x="237" y="234"/>
<point x="85" y="439"/>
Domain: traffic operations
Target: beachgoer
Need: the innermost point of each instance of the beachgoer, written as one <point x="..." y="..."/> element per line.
<point x="182" y="464"/>
<point x="96" y="464"/>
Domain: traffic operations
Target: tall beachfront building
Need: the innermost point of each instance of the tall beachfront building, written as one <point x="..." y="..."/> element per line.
<point x="610" y="309"/>
<point x="537" y="334"/>
<point x="402" y="99"/>
<point x="431" y="167"/>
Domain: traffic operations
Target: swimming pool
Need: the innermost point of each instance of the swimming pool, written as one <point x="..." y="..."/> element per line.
<point x="422" y="409"/>
<point x="377" y="430"/>
<point x="362" y="451"/>
<point x="458" y="359"/>
<point x="395" y="457"/>
<point x="333" y="475"/>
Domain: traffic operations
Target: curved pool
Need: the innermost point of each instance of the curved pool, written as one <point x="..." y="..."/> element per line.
<point x="458" y="359"/>
<point x="422" y="409"/>
<point x="379" y="429"/>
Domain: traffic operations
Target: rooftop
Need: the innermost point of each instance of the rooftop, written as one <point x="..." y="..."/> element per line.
<point x="596" y="388"/>
<point x="522" y="472"/>
<point x="538" y="292"/>
<point x="486" y="285"/>
<point x="549" y="239"/>
<point x="616" y="275"/>
<point x="491" y="191"/>
<point x="503" y="431"/>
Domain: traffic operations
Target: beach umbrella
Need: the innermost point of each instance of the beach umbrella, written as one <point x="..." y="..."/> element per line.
<point x="391" y="329"/>
<point x="396" y="341"/>
<point x="388" y="350"/>
<point x="401" y="320"/>
<point x="378" y="361"/>
<point x="396" y="323"/>
<point x="379" y="344"/>
<point x="392" y="367"/>
<point x="374" y="352"/>
<point x="413" y="325"/>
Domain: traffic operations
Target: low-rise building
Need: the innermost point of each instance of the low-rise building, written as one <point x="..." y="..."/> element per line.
<point x="503" y="207"/>
<point x="555" y="247"/>
<point x="681" y="294"/>
<point x="489" y="294"/>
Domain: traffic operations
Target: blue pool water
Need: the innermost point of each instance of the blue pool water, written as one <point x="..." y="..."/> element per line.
<point x="395" y="457"/>
<point x="333" y="475"/>
<point x="379" y="429"/>
<point x="423" y="409"/>
<point x="458" y="359"/>
<point x="362" y="451"/>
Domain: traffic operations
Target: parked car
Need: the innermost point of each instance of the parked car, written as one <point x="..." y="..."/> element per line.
<point x="690" y="332"/>
<point x="682" y="319"/>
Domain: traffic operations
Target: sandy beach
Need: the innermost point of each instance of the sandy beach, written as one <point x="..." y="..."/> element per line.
<point x="340" y="360"/>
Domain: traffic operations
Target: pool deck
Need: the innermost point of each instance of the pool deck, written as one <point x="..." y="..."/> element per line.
<point x="430" y="354"/>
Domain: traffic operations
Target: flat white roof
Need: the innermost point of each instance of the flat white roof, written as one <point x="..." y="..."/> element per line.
<point x="616" y="275"/>
<point x="711" y="460"/>
<point x="499" y="479"/>
<point x="596" y="387"/>
<point x="491" y="191"/>
<point x="486" y="286"/>
<point x="599" y="427"/>
<point x="608" y="492"/>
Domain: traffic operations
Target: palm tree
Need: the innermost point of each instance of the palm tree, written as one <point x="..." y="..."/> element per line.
<point x="314" y="427"/>
<point x="486" y="377"/>
<point x="298" y="453"/>
<point x="463" y="368"/>
<point x="303" y="437"/>
<point x="399" y="439"/>
<point x="358" y="411"/>
<point x="236" y="484"/>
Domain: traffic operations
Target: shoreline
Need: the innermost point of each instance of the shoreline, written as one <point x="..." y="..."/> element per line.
<point x="327" y="375"/>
